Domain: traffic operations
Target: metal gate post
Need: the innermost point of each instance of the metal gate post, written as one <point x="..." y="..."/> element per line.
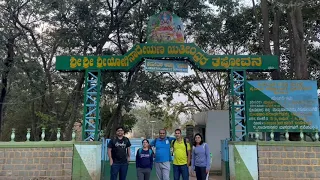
<point x="238" y="130"/>
<point x="91" y="106"/>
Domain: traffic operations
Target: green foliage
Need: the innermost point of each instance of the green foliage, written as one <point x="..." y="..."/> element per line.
<point x="39" y="96"/>
<point x="45" y="119"/>
<point x="50" y="122"/>
<point x="314" y="67"/>
<point x="129" y="120"/>
<point x="166" y="117"/>
<point x="20" y="119"/>
<point x="146" y="120"/>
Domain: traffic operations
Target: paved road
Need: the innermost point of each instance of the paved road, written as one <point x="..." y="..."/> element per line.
<point x="132" y="174"/>
<point x="210" y="178"/>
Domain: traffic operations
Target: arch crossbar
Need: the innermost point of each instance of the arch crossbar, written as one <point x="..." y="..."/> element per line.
<point x="236" y="65"/>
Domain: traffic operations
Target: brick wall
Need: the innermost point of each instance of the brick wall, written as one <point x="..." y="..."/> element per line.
<point x="49" y="163"/>
<point x="278" y="162"/>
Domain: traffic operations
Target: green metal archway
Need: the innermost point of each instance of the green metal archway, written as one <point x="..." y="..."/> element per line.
<point x="165" y="37"/>
<point x="236" y="65"/>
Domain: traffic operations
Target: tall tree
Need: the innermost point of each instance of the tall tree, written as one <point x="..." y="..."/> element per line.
<point x="127" y="83"/>
<point x="9" y="35"/>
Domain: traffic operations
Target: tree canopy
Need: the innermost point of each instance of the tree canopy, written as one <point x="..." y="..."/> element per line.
<point x="34" y="95"/>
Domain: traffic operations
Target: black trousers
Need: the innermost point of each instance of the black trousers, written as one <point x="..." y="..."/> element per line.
<point x="201" y="173"/>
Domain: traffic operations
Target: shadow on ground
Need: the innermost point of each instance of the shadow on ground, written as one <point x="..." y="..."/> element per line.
<point x="132" y="174"/>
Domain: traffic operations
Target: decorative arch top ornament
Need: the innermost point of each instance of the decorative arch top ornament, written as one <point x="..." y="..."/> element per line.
<point x="165" y="27"/>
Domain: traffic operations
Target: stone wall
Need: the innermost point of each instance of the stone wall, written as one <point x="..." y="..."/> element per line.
<point x="293" y="160"/>
<point x="274" y="160"/>
<point x="36" y="160"/>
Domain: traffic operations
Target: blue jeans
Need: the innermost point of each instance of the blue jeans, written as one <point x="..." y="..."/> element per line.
<point x="180" y="170"/>
<point x="201" y="173"/>
<point x="120" y="169"/>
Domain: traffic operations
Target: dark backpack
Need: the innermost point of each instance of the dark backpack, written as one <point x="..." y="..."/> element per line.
<point x="140" y="150"/>
<point x="185" y="144"/>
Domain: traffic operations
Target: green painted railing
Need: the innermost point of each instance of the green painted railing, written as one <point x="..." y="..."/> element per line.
<point x="313" y="136"/>
<point x="43" y="134"/>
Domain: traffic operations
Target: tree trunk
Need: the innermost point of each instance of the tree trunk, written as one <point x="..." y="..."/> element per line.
<point x="115" y="121"/>
<point x="301" y="61"/>
<point x="276" y="36"/>
<point x="291" y="47"/>
<point x="299" y="50"/>
<point x="266" y="34"/>
<point x="257" y="25"/>
<point x="265" y="23"/>
<point x="76" y="101"/>
<point x="34" y="129"/>
<point x="8" y="63"/>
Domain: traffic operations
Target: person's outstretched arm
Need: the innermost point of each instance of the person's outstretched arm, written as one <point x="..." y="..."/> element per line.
<point x="152" y="143"/>
<point x="151" y="160"/>
<point x="192" y="159"/>
<point x="137" y="159"/>
<point x="128" y="150"/>
<point x="110" y="146"/>
<point x="189" y="154"/>
<point x="171" y="139"/>
<point x="207" y="158"/>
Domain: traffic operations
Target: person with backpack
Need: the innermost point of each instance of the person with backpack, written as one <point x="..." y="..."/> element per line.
<point x="144" y="161"/>
<point x="119" y="155"/>
<point x="200" y="161"/>
<point x="181" y="152"/>
<point x="162" y="155"/>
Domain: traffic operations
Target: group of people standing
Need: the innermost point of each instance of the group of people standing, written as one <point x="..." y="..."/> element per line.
<point x="159" y="153"/>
